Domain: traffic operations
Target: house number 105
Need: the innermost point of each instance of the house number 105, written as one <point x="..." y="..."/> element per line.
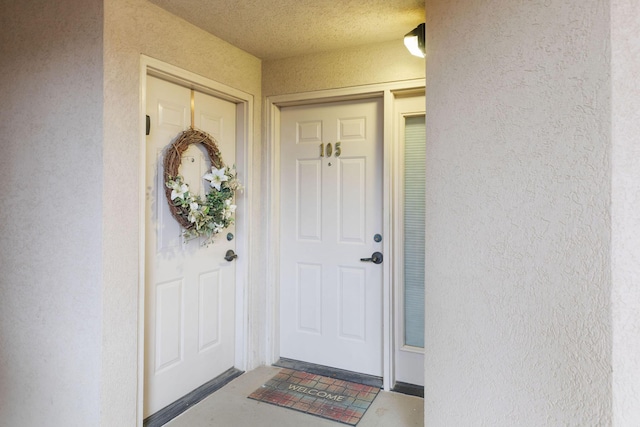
<point x="327" y="150"/>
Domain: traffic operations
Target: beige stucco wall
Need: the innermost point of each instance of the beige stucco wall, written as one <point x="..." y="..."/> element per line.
<point x="625" y="210"/>
<point x="518" y="257"/>
<point x="532" y="295"/>
<point x="134" y="27"/>
<point x="50" y="212"/>
<point x="377" y="63"/>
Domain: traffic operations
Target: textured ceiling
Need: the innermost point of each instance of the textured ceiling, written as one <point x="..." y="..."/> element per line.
<point x="271" y="29"/>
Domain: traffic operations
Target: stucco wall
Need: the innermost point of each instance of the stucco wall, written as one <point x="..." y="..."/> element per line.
<point x="134" y="27"/>
<point x="625" y="210"/>
<point x="518" y="286"/>
<point x="50" y="212"/>
<point x="378" y="63"/>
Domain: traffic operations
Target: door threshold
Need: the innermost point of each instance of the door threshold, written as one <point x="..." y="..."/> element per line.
<point x="176" y="408"/>
<point x="327" y="371"/>
<point x="410" y="389"/>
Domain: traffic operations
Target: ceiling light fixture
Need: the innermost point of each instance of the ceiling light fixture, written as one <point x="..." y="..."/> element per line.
<point x="414" y="41"/>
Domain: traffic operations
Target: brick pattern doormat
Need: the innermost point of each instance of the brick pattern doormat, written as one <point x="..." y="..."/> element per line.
<point x="337" y="400"/>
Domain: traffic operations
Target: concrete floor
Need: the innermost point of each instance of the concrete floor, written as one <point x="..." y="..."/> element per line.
<point x="230" y="407"/>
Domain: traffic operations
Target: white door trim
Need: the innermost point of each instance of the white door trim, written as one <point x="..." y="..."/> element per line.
<point x="272" y="126"/>
<point x="244" y="157"/>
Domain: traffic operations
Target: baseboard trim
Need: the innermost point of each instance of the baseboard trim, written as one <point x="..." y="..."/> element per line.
<point x="327" y="371"/>
<point x="410" y="389"/>
<point x="176" y="408"/>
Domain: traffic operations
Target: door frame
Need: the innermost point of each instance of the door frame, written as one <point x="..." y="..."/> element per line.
<point x="244" y="157"/>
<point x="272" y="106"/>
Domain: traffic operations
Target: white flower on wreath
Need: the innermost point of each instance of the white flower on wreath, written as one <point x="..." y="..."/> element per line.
<point x="216" y="177"/>
<point x="178" y="189"/>
<point x="211" y="214"/>
<point x="193" y="212"/>
<point x="229" y="209"/>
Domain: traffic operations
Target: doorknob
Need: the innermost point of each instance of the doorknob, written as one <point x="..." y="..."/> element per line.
<point x="376" y="258"/>
<point x="230" y="255"/>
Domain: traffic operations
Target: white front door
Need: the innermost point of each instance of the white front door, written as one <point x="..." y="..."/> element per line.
<point x="190" y="288"/>
<point x="331" y="211"/>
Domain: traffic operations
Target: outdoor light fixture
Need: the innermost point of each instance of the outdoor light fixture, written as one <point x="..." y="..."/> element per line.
<point x="414" y="41"/>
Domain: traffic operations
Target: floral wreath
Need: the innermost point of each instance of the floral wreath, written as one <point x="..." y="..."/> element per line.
<point x="200" y="217"/>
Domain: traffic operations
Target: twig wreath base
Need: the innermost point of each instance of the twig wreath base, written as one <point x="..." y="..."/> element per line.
<point x="200" y="217"/>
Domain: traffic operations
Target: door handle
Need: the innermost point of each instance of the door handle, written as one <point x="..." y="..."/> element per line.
<point x="376" y="258"/>
<point x="230" y="255"/>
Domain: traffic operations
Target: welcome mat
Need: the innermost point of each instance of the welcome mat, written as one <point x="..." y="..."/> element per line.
<point x="330" y="398"/>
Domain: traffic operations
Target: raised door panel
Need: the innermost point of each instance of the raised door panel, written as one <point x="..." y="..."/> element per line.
<point x="209" y="310"/>
<point x="309" y="199"/>
<point x="309" y="298"/>
<point x="169" y="324"/>
<point x="352" y="200"/>
<point x="352" y="303"/>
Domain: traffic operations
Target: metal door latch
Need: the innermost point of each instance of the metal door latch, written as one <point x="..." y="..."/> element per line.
<point x="376" y="258"/>
<point x="230" y="255"/>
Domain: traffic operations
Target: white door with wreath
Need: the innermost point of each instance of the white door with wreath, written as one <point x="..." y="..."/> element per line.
<point x="189" y="285"/>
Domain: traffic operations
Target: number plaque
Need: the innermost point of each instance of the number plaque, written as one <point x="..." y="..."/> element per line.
<point x="327" y="150"/>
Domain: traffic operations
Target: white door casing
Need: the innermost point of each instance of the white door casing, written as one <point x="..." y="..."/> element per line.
<point x="330" y="210"/>
<point x="189" y="288"/>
